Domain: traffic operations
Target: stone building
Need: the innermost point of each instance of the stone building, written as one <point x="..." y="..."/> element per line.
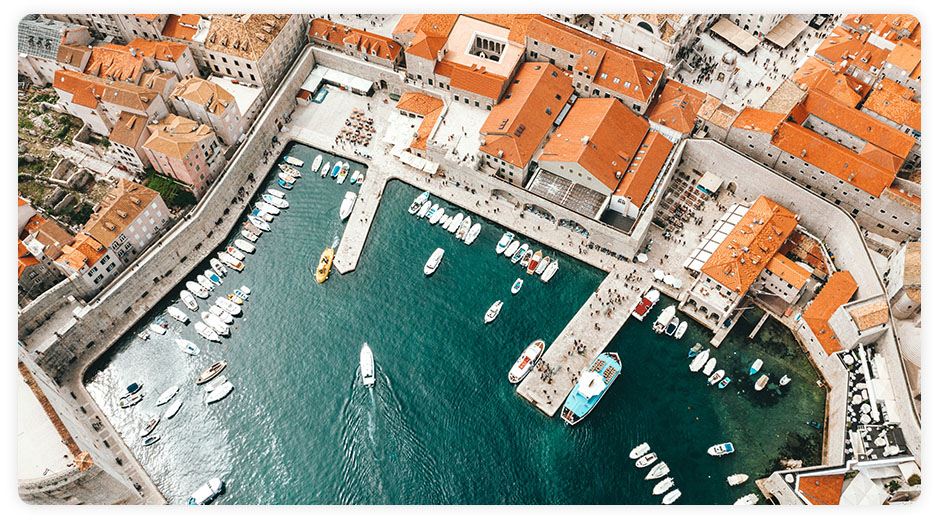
<point x="366" y="46"/>
<point x="678" y="107"/>
<point x="129" y="219"/>
<point x="127" y="140"/>
<point x="186" y="151"/>
<point x="88" y="265"/>
<point x="903" y="280"/>
<point x="815" y="320"/>
<point x="658" y="36"/>
<point x="428" y="109"/>
<point x="38" y="43"/>
<point x="192" y="30"/>
<point x="99" y="102"/>
<point x="209" y="103"/>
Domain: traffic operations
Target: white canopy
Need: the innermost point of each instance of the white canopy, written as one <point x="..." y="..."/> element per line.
<point x="590" y="384"/>
<point x="669" y="280"/>
<point x="735" y="35"/>
<point x="431" y="167"/>
<point x="658" y="274"/>
<point x="641" y="257"/>
<point x="709" y="182"/>
<point x="786" y="30"/>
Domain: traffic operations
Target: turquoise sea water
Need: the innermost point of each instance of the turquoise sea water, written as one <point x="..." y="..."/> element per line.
<point x="442" y="425"/>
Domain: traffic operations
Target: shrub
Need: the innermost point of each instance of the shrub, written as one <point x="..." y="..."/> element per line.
<point x="914" y="480"/>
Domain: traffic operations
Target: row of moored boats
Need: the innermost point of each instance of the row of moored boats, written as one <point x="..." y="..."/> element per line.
<point x="529" y="258"/>
<point x="461" y="226"/>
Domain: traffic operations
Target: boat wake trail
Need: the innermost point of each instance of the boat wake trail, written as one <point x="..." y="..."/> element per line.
<point x="372" y="416"/>
<point x="335" y="242"/>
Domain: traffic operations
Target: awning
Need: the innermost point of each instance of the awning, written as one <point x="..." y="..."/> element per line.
<point x="709" y="183"/>
<point x="786" y="31"/>
<point x="735" y="35"/>
<point x="431" y="167"/>
<point x="321" y="74"/>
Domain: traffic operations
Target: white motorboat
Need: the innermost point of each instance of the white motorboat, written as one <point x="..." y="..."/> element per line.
<point x="550" y="271"/>
<point x="646" y="460"/>
<point x="519" y="253"/>
<point x="355" y="178"/>
<point x="228" y="306"/>
<point x="212" y="277"/>
<point x="241" y="295"/>
<point x="493" y="312"/>
<point x="437" y="216"/>
<point x="149" y="427"/>
<point x="512" y="248"/>
<point x="737" y="479"/>
<point x="263" y="215"/>
<point x="663" y="486"/>
<point x="756" y="366"/>
<point x="716" y="377"/>
<point x="178" y="314"/>
<point x="215" y="323"/>
<point x="720" y="450"/>
<point x="325" y="170"/>
<point x="455" y="223"/>
<point x="747" y="500"/>
<point x="659" y="471"/>
<point x="343" y="173"/>
<point x="287" y="175"/>
<point x="249" y="236"/>
<point x="276" y="193"/>
<point x="680" y="331"/>
<point x="504" y="242"/>
<point x="197" y="289"/>
<point x="244" y="246"/>
<point x="425" y="208"/>
<point x="434" y="210"/>
<point x="464" y="227"/>
<point x="534" y="262"/>
<point x="231" y="261"/>
<point x="639" y="451"/>
<point x="173" y="409"/>
<point x="157" y="329"/>
<point x="516" y="286"/>
<point x="366" y="365"/>
<point x="444" y="221"/>
<point x="434" y="261"/>
<point x="245" y="290"/>
<point x="759" y="385"/>
<point x="219" y="392"/>
<point x="664" y="317"/>
<point x="785" y="380"/>
<point x="254" y="220"/>
<point x="221" y="314"/>
<point x="204" y="282"/>
<point x="204" y="330"/>
<point x="418" y="202"/>
<point x="267" y="208"/>
<point x="710" y="366"/>
<point x="346" y="207"/>
<point x="218" y="266"/>
<point x="316" y="163"/>
<point x="646" y="304"/>
<point x="472" y="234"/>
<point x="187" y="347"/>
<point x="526" y="361"/>
<point x="294" y="161"/>
<point x="187" y="297"/>
<point x="672" y="496"/>
<point x="167" y="395"/>
<point x="275" y="201"/>
<point x="207" y="492"/>
<point x="699" y="361"/>
<point x="543" y="264"/>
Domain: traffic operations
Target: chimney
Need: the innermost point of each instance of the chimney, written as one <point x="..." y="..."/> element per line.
<point x="585" y="140"/>
<point x="133" y="52"/>
<point x="803" y="153"/>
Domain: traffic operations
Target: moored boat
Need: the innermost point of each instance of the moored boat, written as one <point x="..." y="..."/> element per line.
<point x="356" y="178"/>
<point x="534" y="262"/>
<point x="230" y="307"/>
<point x="455" y="223"/>
<point x="276" y="193"/>
<point x="218" y="266"/>
<point x="259" y="223"/>
<point x="187" y="347"/>
<point x="235" y="299"/>
<point x="240" y="294"/>
<point x="747" y="500"/>
<point x="591" y="387"/>
<point x="294" y="161"/>
<point x="699" y="361"/>
<point x="187" y="297"/>
<point x="543" y="264"/>
<point x="251" y="228"/>
<point x="550" y="271"/>
<point x="504" y="242"/>
<point x="231" y="261"/>
<point x="444" y="221"/>
<point x="436" y="217"/>
<point x="323" y="269"/>
<point x="672" y="327"/>
<point x="664" y="317"/>
<point x="258" y="213"/>
<point x="346" y="207"/>
<point x="197" y="289"/>
<point x="720" y="450"/>
<point x="204" y="330"/>
<point x="435" y="208"/>
<point x="659" y="471"/>
<point x="177" y="314"/>
<point x="149" y="427"/>
<point x="173" y="409"/>
<point x="167" y="395"/>
<point x="416" y="204"/>
<point x="221" y="314"/>
<point x="285" y="184"/>
<point x="207" y="492"/>
<point x="756" y="366"/>
<point x="516" y="286"/>
<point x="647" y="302"/>
<point x="325" y="170"/>
<point x="267" y="208"/>
<point x="219" y="392"/>
<point x="646" y="460"/>
<point x="366" y="365"/>
<point x="519" y="253"/>
<point x="464" y="227"/>
<point x="724" y="383"/>
<point x="524" y="262"/>
<point x="284" y="175"/>
<point x="215" y="323"/>
<point x="680" y="331"/>
<point x="472" y="234"/>
<point x="316" y="163"/>
<point x="248" y="235"/>
<point x="336" y="170"/>
<point x="695" y="349"/>
<point x="525" y="361"/>
<point x="150" y="441"/>
<point x="492" y="312"/>
<point x="275" y="201"/>
<point x="425" y="208"/>
<point x="512" y="248"/>
<point x="671" y="497"/>
<point x="737" y="479"/>
<point x="715" y="377"/>
<point x="204" y="282"/>
<point x="759" y="385"/>
<point x="663" y="486"/>
<point x="127" y="402"/>
<point x="245" y="246"/>
<point x="212" y="277"/>
<point x="639" y="451"/>
<point x="211" y="372"/>
<point x="434" y="261"/>
<point x="785" y="380"/>
<point x="710" y="366"/>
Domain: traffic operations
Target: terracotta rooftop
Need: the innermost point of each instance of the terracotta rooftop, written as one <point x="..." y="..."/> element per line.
<point x="115" y="62"/>
<point x="838" y="46"/>
<point x="52" y="236"/>
<point x="472" y="78"/>
<point x="904" y="196"/>
<point x="758" y="120"/>
<point x="645" y="166"/>
<point x="175" y="136"/>
<point x="33" y="224"/>
<point x="89" y="90"/>
<point x="905" y="55"/>
<point x="433" y="24"/>
<point x="157" y="81"/>
<point x="20" y="201"/>
<point x="677" y="106"/>
<point x="783" y="267"/>
<point x="870" y="315"/>
<point x="118" y="210"/>
<point x="160" y="50"/>
<point x="890" y="24"/>
<point x="127" y="129"/>
<point x="815" y="74"/>
<point x="749" y="247"/>
<point x="244" y="35"/>
<point x="428" y="107"/>
<point x="837" y="291"/>
<point x="23" y="258"/>
<point x="365" y="42"/>
<point x="85" y="251"/>
<point x="823" y="490"/>
<point x="516" y="125"/>
<point x="70" y="54"/>
<point x="614" y="135"/>
<point x="209" y="95"/>
<point x="182" y="27"/>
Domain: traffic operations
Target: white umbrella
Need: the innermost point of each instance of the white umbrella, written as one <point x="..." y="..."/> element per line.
<point x="677" y="284"/>
<point x="658" y="274"/>
<point x="641" y="257"/>
<point x="669" y="280"/>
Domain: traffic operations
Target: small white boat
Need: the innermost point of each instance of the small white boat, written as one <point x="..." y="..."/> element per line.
<point x="245" y="290"/>
<point x="737" y="479"/>
<point x="167" y="395"/>
<point x="207" y="492"/>
<point x="455" y="223"/>
<point x="639" y="451"/>
<point x="204" y="330"/>
<point x="525" y="361"/>
<point x="156" y="328"/>
<point x="710" y="366"/>
<point x="227" y="305"/>
<point x="504" y="242"/>
<point x="700" y="359"/>
<point x="263" y="215"/>
<point x="720" y="450"/>
<point x="178" y="314"/>
<point x="543" y="264"/>
<point x="149" y="427"/>
<point x="756" y="366"/>
<point x="173" y="409"/>
<point x="472" y="234"/>
<point x="244" y="246"/>
<point x="267" y="208"/>
<point x="287" y="175"/>
<point x="346" y="207"/>
<point x="276" y="193"/>
<point x="316" y="163"/>
<point x="512" y="248"/>
<point x="187" y="297"/>
<point x="493" y="312"/>
<point x="215" y="323"/>
<point x="204" y="282"/>
<point x="425" y="208"/>
<point x="433" y="210"/>
<point x="212" y="277"/>
<point x="219" y="392"/>
<point x="187" y="347"/>
<point x="668" y="313"/>
<point x="231" y="261"/>
<point x="221" y="314"/>
<point x="527" y="257"/>
<point x="275" y="201"/>
<point x="434" y="261"/>
<point x="235" y="299"/>
<point x="680" y="331"/>
<point x="418" y="202"/>
<point x="663" y="486"/>
<point x="259" y="223"/>
<point x="550" y="271"/>
<point x="366" y="365"/>
<point x="759" y="385"/>
<point x="236" y="253"/>
<point x="534" y="262"/>
<point x="143" y="335"/>
<point x="342" y="174"/>
<point x="464" y="227"/>
<point x="659" y="471"/>
<point x="355" y="178"/>
<point x="671" y="497"/>
<point x="646" y="460"/>
<point x="785" y="380"/>
<point x="243" y="296"/>
<point x="445" y="221"/>
<point x="249" y="236"/>
<point x="437" y="216"/>
<point x="325" y="170"/>
<point x="294" y="161"/>
<point x="747" y="500"/>
<point x="516" y="286"/>
<point x="519" y="253"/>
<point x="716" y="377"/>
<point x="218" y="266"/>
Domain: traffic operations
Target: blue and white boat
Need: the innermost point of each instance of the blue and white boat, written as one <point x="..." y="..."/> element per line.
<point x="336" y="169"/>
<point x="756" y="366"/>
<point x="589" y="389"/>
<point x="207" y="492"/>
<point x="718" y="450"/>
<point x="285" y="184"/>
<point x="724" y="383"/>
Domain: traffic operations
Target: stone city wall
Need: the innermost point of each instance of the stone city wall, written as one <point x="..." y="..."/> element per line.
<point x="43" y="307"/>
<point x="92" y="486"/>
<point x="394" y="81"/>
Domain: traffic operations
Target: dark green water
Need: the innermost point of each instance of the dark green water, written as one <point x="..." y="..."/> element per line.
<point x="442" y="425"/>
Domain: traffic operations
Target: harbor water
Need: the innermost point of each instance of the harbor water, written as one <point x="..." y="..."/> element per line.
<point x="442" y="424"/>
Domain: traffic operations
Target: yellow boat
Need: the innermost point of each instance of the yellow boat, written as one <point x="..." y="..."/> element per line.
<point x="326" y="261"/>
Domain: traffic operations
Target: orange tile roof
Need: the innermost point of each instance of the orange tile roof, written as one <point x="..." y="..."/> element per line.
<point x="645" y="166"/>
<point x="128" y="129"/>
<point x="752" y="243"/>
<point x="833" y="158"/>
<point x="85" y="251"/>
<point x="614" y="135"/>
<point x="175" y="136"/>
<point x="160" y="50"/>
<point x="33" y="224"/>
<point x="210" y="95"/>
<point x="428" y="107"/>
<point x="905" y="55"/>
<point x="516" y="126"/>
<point x="677" y="106"/>
<point x="815" y="74"/>
<point x="837" y="291"/>
<point x="426" y="46"/>
<point x="88" y="90"/>
<point x="21" y="202"/>
<point x="246" y="35"/>
<point x="905" y="195"/>
<point x="792" y="273"/>
<point x="366" y="42"/>
<point x="838" y="46"/>
<point x="432" y="24"/>
<point x="881" y="157"/>
<point x="182" y="27"/>
<point x="758" y="120"/>
<point x="823" y="490"/>
<point x="119" y="209"/>
<point x="23" y="259"/>
<point x="857" y="123"/>
<point x="882" y="23"/>
<point x="115" y="63"/>
<point x="408" y="23"/>
<point x="473" y="79"/>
